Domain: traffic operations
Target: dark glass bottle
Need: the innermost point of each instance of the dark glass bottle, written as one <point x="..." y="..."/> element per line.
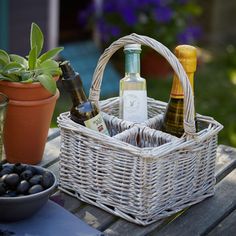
<point x="83" y="111"/>
<point x="173" y="118"/>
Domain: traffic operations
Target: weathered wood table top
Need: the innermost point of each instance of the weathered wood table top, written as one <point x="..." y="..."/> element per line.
<point x="213" y="216"/>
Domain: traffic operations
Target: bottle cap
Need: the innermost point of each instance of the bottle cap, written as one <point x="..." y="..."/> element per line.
<point x="71" y="80"/>
<point x="187" y="56"/>
<point x="67" y="69"/>
<point x="133" y="46"/>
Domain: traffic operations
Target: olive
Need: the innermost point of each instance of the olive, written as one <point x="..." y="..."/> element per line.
<point x="47" y="179"/>
<point x="2" y="179"/>
<point x="2" y="188"/>
<point x="18" y="168"/>
<point x="36" y="179"/>
<point x="31" y="168"/>
<point x="6" y="170"/>
<point x="10" y="194"/>
<point x="23" y="186"/>
<point x="35" y="189"/>
<point x="12" y="180"/>
<point x="26" y="175"/>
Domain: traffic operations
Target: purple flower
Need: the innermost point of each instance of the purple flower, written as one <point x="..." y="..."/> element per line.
<point x="107" y="31"/>
<point x="163" y="14"/>
<point x="129" y="16"/>
<point x="190" y="34"/>
<point x="83" y="16"/>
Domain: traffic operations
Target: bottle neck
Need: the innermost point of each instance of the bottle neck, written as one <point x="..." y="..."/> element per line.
<point x="177" y="90"/>
<point x="132" y="62"/>
<point x="78" y="96"/>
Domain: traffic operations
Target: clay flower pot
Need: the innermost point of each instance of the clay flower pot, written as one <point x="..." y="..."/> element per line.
<point x="28" y="120"/>
<point x="154" y="65"/>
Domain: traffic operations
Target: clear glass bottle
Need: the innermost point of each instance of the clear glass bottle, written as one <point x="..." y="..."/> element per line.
<point x="83" y="111"/>
<point x="133" y="92"/>
<point x="173" y="118"/>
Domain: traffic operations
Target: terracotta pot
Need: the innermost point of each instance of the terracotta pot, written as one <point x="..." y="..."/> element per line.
<point x="28" y="119"/>
<point x="153" y="64"/>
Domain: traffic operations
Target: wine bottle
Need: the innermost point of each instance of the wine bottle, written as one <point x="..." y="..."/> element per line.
<point x="133" y="93"/>
<point x="83" y="111"/>
<point x="173" y="118"/>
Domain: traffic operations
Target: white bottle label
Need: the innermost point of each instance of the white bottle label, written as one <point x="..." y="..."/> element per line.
<point x="97" y="123"/>
<point x="135" y="105"/>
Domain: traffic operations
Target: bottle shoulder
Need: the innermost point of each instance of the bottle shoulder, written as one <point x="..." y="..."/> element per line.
<point x="133" y="78"/>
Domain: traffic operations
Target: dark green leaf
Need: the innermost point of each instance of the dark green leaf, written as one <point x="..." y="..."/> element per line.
<point x="12" y="77"/>
<point x="28" y="81"/>
<point x="19" y="59"/>
<point x="2" y="77"/>
<point x="48" y="82"/>
<point x="26" y="75"/>
<point x="36" y="38"/>
<point x="4" y="56"/>
<point x="32" y="58"/>
<point x="50" y="54"/>
<point x="2" y="63"/>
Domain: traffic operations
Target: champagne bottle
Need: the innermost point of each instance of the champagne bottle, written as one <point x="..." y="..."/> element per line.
<point x="133" y="93"/>
<point x="83" y="111"/>
<point x="173" y="118"/>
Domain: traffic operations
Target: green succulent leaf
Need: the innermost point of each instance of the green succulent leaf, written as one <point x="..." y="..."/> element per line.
<point x="12" y="67"/>
<point x="4" y="56"/>
<point x="32" y="58"/>
<point x="10" y="76"/>
<point x="2" y="63"/>
<point x="26" y="75"/>
<point x="47" y="82"/>
<point x="50" y="54"/>
<point x="19" y="59"/>
<point x="50" y="67"/>
<point x="28" y="81"/>
<point x="36" y="38"/>
<point x="2" y="77"/>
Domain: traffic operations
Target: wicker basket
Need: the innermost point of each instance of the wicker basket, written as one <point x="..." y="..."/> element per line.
<point x="139" y="173"/>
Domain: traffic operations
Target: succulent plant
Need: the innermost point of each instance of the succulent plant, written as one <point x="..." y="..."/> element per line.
<point x="35" y="67"/>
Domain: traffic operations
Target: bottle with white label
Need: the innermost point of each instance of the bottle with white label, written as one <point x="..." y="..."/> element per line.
<point x="83" y="111"/>
<point x="133" y="92"/>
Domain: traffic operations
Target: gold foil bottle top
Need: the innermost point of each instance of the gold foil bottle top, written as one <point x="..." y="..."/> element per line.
<point x="187" y="56"/>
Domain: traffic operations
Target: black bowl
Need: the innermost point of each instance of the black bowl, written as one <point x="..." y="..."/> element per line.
<point x="22" y="207"/>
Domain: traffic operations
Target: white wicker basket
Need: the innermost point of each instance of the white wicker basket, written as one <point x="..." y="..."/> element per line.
<point x="140" y="173"/>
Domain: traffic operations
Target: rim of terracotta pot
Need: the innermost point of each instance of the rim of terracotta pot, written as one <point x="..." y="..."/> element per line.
<point x="25" y="91"/>
<point x="35" y="102"/>
<point x="24" y="85"/>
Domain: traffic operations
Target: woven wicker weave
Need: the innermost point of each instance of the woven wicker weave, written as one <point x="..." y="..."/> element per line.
<point x="139" y="173"/>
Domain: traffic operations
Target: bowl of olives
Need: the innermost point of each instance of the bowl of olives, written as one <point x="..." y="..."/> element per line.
<point x="24" y="189"/>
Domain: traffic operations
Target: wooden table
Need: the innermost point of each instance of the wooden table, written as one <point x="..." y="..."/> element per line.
<point x="213" y="216"/>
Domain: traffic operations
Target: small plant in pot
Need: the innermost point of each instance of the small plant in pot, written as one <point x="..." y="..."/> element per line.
<point x="30" y="84"/>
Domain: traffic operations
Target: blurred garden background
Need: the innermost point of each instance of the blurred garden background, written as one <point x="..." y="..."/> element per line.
<point x="86" y="27"/>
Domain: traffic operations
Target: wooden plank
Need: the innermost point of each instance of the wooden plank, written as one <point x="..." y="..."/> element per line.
<point x="226" y="227"/>
<point x="51" y="152"/>
<point x="96" y="217"/>
<point x="202" y="217"/>
<point x="125" y="228"/>
<point x="226" y="158"/>
<point x="55" y="169"/>
<point x="70" y="203"/>
<point x="225" y="161"/>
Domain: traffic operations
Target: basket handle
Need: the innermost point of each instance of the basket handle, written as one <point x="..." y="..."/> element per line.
<point x="189" y="112"/>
